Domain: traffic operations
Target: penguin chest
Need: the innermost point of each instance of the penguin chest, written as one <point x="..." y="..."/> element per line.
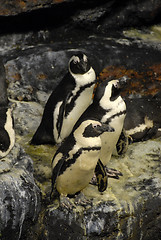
<point x="109" y="139"/>
<point x="78" y="175"/>
<point x="80" y="104"/>
<point x="8" y="135"/>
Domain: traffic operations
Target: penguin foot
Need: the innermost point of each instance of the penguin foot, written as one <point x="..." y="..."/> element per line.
<point x="66" y="202"/>
<point x="113" y="173"/>
<point x="80" y="199"/>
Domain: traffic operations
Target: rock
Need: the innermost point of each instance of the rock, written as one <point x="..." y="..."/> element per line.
<point x="3" y="86"/>
<point x="19" y="195"/>
<point x="92" y="15"/>
<point x="8" y="8"/>
<point x="37" y="70"/>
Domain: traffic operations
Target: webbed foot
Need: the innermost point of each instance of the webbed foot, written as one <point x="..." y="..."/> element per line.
<point x="80" y="199"/>
<point x="66" y="202"/>
<point x="113" y="173"/>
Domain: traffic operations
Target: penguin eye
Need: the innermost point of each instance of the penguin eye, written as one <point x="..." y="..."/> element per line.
<point x="95" y="125"/>
<point x="116" y="84"/>
<point x="76" y="59"/>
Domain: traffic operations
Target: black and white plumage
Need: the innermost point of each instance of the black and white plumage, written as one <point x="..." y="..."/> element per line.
<point x="67" y="102"/>
<point x="107" y="107"/>
<point x="7" y="133"/>
<point x="143" y="118"/>
<point x="75" y="160"/>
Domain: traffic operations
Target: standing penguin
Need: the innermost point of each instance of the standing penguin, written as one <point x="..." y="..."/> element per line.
<point x="67" y="102"/>
<point x="75" y="161"/>
<point x="7" y="133"/>
<point x="107" y="107"/>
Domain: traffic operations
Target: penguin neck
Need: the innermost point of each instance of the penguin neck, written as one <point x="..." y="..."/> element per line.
<point x="84" y="79"/>
<point x="82" y="142"/>
<point x="106" y="104"/>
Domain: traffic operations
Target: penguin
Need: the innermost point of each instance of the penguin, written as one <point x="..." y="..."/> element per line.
<point x="143" y="118"/>
<point x="75" y="160"/>
<point x="108" y="107"/>
<point x="7" y="133"/>
<point x="67" y="102"/>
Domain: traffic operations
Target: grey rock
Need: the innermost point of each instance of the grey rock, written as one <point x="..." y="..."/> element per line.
<point x="19" y="194"/>
<point x="3" y="86"/>
<point x="92" y="15"/>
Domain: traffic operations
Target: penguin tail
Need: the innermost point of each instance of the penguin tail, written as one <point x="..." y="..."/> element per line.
<point x="42" y="136"/>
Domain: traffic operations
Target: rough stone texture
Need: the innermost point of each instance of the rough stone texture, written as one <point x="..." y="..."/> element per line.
<point x="15" y="7"/>
<point x="19" y="195"/>
<point x="100" y="15"/>
<point x="34" y="71"/>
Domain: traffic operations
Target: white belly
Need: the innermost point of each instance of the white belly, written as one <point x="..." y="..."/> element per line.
<point x="78" y="175"/>
<point x="109" y="139"/>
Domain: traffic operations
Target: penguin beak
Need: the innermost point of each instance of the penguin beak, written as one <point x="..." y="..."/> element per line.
<point x="123" y="81"/>
<point x="105" y="128"/>
<point x="85" y="66"/>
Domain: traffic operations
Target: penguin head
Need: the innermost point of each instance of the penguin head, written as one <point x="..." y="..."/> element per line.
<point x="96" y="129"/>
<point x="108" y="91"/>
<point x="90" y="129"/>
<point x="79" y="64"/>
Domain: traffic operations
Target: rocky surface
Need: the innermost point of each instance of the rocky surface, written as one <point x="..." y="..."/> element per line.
<point x="35" y="61"/>
<point x="19" y="194"/>
<point x="96" y="15"/>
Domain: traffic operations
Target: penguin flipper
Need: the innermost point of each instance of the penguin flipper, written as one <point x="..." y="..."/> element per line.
<point x="42" y="136"/>
<point x="55" y="173"/>
<point x="150" y="133"/>
<point x="102" y="179"/>
<point x="62" y="111"/>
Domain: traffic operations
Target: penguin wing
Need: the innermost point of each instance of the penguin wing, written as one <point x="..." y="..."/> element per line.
<point x="56" y="171"/>
<point x="61" y="114"/>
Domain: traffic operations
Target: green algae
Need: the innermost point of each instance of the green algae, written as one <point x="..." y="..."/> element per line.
<point x="152" y="34"/>
<point x="42" y="157"/>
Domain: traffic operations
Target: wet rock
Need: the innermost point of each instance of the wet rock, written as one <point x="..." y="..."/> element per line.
<point x="19" y="195"/>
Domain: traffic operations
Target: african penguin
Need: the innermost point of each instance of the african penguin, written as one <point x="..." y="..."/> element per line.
<point x="75" y="160"/>
<point x="143" y="118"/>
<point x="7" y="134"/>
<point x="107" y="107"/>
<point x="67" y="102"/>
